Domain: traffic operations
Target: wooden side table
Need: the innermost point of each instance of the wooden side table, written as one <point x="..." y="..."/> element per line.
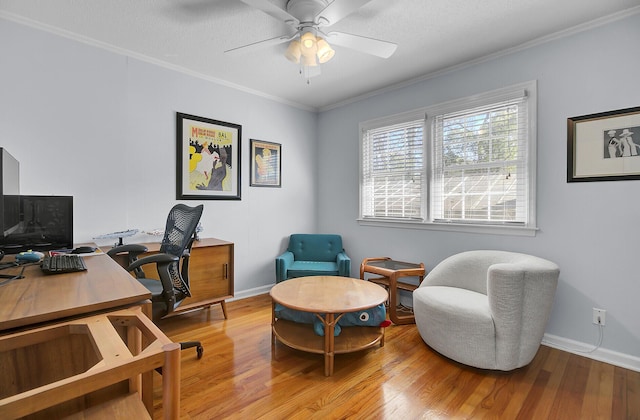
<point x="391" y="272"/>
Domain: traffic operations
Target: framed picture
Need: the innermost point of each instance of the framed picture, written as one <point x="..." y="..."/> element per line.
<point x="208" y="159"/>
<point x="266" y="158"/>
<point x="604" y="147"/>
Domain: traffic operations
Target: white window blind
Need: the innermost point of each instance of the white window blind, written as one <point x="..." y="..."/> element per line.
<point x="479" y="165"/>
<point x="393" y="170"/>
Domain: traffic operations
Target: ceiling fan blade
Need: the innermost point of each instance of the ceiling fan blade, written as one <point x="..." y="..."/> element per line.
<point x="338" y="10"/>
<point x="272" y="10"/>
<point x="371" y="46"/>
<point x="260" y="44"/>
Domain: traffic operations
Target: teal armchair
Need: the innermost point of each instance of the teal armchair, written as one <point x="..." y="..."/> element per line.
<point x="313" y="255"/>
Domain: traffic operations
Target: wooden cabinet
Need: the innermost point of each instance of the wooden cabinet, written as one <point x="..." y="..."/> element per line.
<point x="210" y="274"/>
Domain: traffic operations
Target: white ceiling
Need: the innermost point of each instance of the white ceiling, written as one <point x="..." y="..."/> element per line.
<point x="432" y="35"/>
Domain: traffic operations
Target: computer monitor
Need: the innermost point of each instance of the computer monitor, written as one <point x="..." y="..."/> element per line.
<point x="10" y="193"/>
<point x="46" y="223"/>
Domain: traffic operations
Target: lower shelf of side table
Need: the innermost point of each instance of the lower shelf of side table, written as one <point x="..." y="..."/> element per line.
<point x="302" y="337"/>
<point x="400" y="314"/>
<point x="384" y="281"/>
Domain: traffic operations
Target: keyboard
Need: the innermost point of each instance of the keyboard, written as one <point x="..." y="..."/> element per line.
<point x="62" y="263"/>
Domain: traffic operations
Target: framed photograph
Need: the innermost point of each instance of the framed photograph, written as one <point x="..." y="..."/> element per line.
<point x="208" y="159"/>
<point x="266" y="158"/>
<point x="604" y="146"/>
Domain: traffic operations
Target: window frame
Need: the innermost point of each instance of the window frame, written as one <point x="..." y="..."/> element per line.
<point x="529" y="228"/>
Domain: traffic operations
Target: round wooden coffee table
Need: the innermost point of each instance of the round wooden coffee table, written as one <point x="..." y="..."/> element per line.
<point x="332" y="296"/>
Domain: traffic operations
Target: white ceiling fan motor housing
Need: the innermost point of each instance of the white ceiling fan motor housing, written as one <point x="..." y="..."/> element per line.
<point x="306" y="10"/>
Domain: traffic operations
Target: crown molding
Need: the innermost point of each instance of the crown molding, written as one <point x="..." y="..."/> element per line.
<point x="121" y="51"/>
<point x="529" y="44"/>
<point x="144" y="58"/>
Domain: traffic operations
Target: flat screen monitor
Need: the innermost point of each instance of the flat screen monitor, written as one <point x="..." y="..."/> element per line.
<point x="10" y="192"/>
<point x="46" y="223"/>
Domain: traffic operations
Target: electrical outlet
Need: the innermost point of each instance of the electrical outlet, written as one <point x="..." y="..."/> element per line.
<point x="599" y="316"/>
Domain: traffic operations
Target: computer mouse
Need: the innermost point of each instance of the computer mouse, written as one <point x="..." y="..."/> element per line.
<point x="83" y="250"/>
<point x="29" y="256"/>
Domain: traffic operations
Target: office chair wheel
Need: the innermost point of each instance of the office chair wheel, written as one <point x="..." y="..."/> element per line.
<point x="200" y="350"/>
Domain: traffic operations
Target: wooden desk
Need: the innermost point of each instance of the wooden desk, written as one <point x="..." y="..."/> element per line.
<point x="40" y="298"/>
<point x="39" y="379"/>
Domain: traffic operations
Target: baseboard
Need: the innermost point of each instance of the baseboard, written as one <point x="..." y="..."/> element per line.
<point x="242" y="294"/>
<point x="600" y="354"/>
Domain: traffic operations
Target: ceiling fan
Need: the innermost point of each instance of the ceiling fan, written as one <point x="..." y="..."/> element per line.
<point x="309" y="44"/>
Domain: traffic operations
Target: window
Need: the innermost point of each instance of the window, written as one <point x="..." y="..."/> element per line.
<point x="393" y="168"/>
<point x="465" y="165"/>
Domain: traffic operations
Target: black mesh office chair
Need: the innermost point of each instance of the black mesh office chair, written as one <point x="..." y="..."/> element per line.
<point x="172" y="263"/>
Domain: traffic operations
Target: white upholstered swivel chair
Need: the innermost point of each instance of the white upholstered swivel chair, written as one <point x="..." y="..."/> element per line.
<point x="486" y="309"/>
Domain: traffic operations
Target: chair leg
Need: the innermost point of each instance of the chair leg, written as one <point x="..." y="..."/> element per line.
<point x="196" y="344"/>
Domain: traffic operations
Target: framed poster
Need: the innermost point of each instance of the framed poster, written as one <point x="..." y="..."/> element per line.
<point x="604" y="146"/>
<point x="266" y="158"/>
<point x="208" y="159"/>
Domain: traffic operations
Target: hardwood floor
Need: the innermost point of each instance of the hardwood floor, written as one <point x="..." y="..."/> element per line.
<point x="405" y="379"/>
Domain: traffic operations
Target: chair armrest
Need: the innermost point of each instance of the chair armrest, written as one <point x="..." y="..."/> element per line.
<point x="283" y="262"/>
<point x="159" y="259"/>
<point x="131" y="251"/>
<point x="136" y="249"/>
<point x="344" y="264"/>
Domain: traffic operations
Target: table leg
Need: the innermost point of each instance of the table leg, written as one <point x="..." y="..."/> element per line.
<point x="142" y="383"/>
<point x="134" y="343"/>
<point x="393" y="298"/>
<point x="273" y="335"/>
<point x="329" y="344"/>
<point x="146" y="309"/>
<point x="171" y="381"/>
<point x="223" y="304"/>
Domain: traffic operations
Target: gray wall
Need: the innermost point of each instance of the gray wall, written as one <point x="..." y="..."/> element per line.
<point x="97" y="125"/>
<point x="590" y="230"/>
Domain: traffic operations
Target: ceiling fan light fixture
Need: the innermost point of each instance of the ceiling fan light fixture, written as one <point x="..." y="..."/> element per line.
<point x="309" y="60"/>
<point x="307" y="20"/>
<point x="308" y="43"/>
<point x="293" y="51"/>
<point x="325" y="52"/>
